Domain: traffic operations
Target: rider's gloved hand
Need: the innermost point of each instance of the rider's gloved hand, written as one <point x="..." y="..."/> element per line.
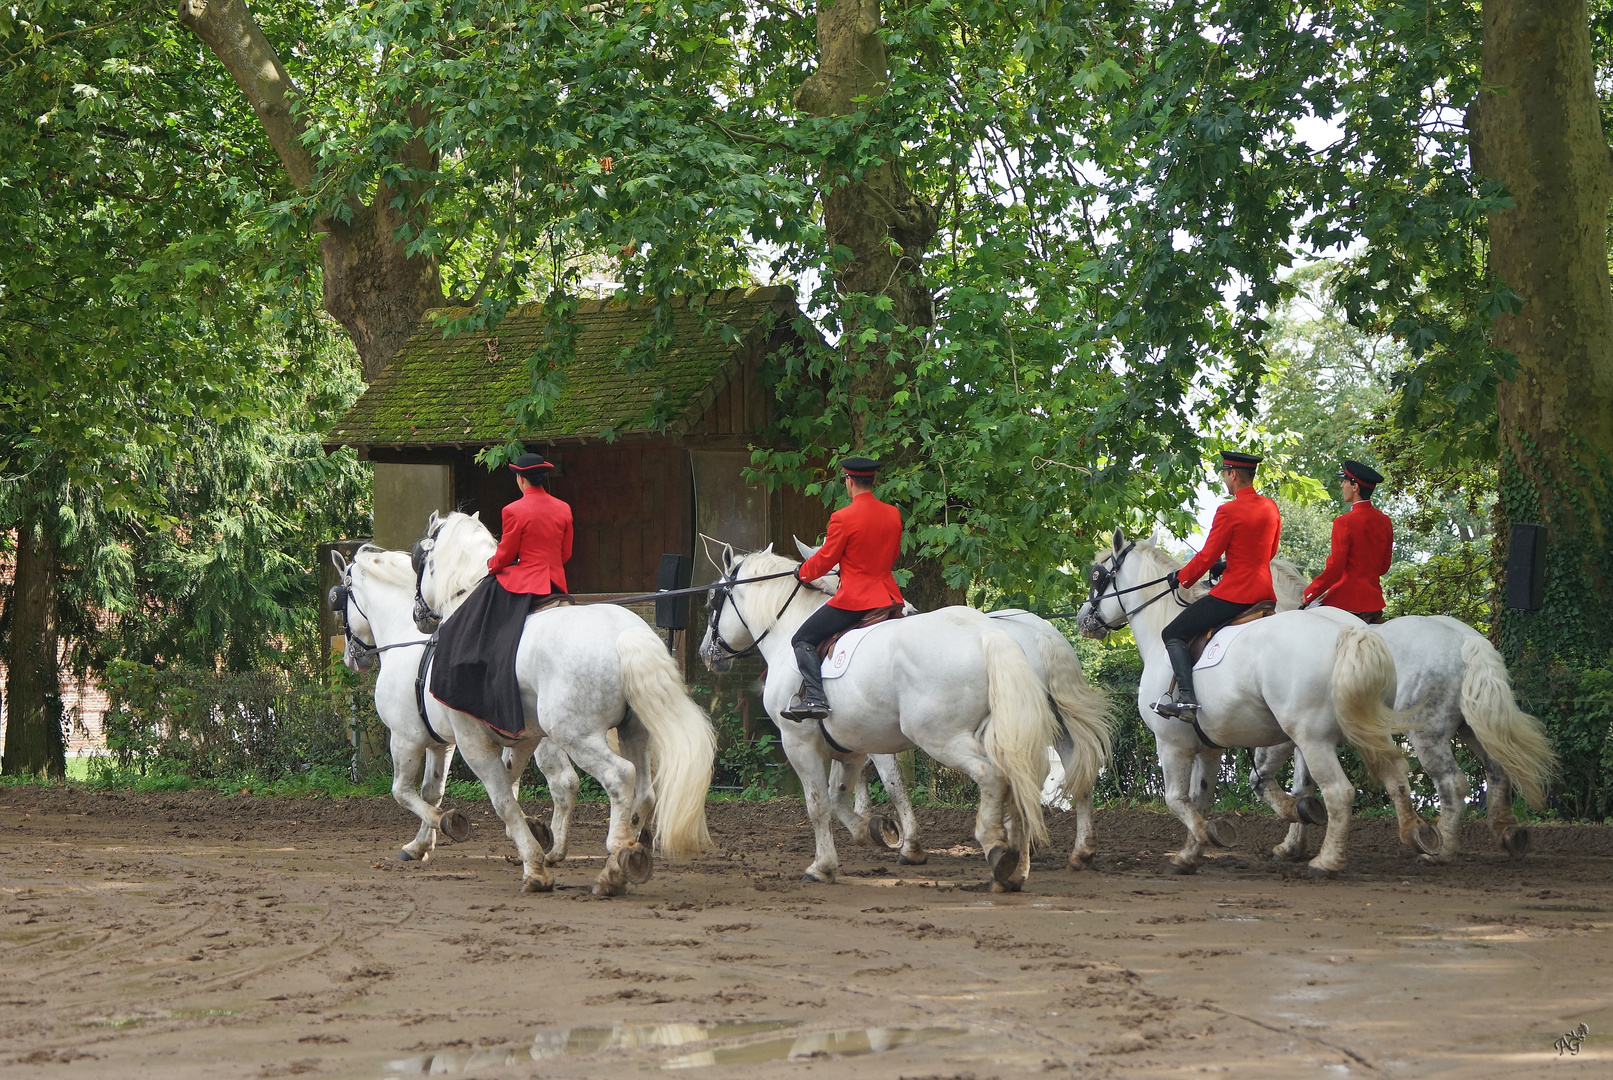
<point x="1170" y="579"/>
<point x="1218" y="568"/>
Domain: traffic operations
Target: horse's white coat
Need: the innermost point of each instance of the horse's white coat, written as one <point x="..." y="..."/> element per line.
<point x="1316" y="678"/>
<point x="583" y="671"/>
<point x="930" y="681"/>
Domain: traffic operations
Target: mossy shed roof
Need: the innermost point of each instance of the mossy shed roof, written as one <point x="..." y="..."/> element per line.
<point x="453" y="391"/>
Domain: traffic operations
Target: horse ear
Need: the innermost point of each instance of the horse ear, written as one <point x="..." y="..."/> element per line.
<point x="338" y="561"/>
<point x="1119" y="539"/>
<point x="431" y="523"/>
<point x="806" y="552"/>
<point x="768" y="550"/>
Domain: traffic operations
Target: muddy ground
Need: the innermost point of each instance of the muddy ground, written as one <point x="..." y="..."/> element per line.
<point x="188" y="935"/>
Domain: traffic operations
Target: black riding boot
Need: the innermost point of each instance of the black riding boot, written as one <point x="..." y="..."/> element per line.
<point x="1182" y="705"/>
<point x="810" y="704"/>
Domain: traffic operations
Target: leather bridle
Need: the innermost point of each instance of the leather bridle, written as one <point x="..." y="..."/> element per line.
<point x="723" y="593"/>
<point x="1102" y="577"/>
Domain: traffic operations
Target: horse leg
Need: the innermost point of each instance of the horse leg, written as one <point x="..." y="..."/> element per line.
<point x="438" y="759"/>
<point x="1498" y="815"/>
<point x="964" y="753"/>
<point x="1434" y="752"/>
<point x="1085" y="849"/>
<point x="1303" y="793"/>
<point x="1338" y="793"/>
<point x="809" y="757"/>
<point x="912" y="852"/>
<point x="846" y="782"/>
<point x="1222" y="832"/>
<point x="634" y="740"/>
<point x="408" y="759"/>
<point x="563" y="787"/>
<point x="592" y="753"/>
<point x="484" y="757"/>
<point x="1176" y="763"/>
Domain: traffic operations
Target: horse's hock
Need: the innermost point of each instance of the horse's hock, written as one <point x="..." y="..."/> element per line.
<point x="648" y="460"/>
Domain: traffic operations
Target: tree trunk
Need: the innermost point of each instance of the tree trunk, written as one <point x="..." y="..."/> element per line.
<point x="881" y="230"/>
<point x="34" y="741"/>
<point x="1539" y="132"/>
<point x="373" y="288"/>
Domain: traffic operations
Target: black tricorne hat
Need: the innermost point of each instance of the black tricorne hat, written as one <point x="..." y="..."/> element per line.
<point x="1365" y="475"/>
<point x="531" y="464"/>
<point x="859" y="467"/>
<point x="1233" y="460"/>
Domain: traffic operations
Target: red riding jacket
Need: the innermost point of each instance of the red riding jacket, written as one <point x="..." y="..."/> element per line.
<point x="1363" y="544"/>
<point x="531" y="556"/>
<point x="864" y="538"/>
<point x="1246" y="530"/>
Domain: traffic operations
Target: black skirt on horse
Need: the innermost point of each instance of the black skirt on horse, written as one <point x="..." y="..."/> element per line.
<point x="474" y="671"/>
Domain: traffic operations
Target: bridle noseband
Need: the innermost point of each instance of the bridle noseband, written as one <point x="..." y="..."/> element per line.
<point x="1104" y="576"/>
<point x="723" y="588"/>
<point x="340" y="595"/>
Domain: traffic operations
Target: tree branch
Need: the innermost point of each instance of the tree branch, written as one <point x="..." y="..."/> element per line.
<point x="229" y="30"/>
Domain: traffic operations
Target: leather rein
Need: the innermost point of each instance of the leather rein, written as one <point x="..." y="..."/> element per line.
<point x="724" y="588"/>
<point x="1103" y="577"/>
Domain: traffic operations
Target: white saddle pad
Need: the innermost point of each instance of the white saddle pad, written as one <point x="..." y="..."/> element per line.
<point x="839" y="661"/>
<point x="1216" y="650"/>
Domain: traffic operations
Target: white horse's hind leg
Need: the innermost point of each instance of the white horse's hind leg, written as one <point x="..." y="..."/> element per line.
<point x="845" y="785"/>
<point x="563" y="788"/>
<point x="1338" y="793"/>
<point x="965" y="753"/>
<point x="1433" y="749"/>
<point x="1177" y="764"/>
<point x="1085" y="848"/>
<point x="634" y="740"/>
<point x="912" y="852"/>
<point x="1512" y="837"/>
<point x="618" y="777"/>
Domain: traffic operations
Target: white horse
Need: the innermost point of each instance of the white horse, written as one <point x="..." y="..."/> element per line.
<point x="949" y="682"/>
<point x="373" y="600"/>
<point x="583" y="671"/>
<point x="1451" y="683"/>
<point x="1314" y="678"/>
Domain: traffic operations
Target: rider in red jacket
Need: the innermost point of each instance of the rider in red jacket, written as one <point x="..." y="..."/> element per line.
<point x="532" y="553"/>
<point x="865" y="539"/>
<point x="1363" y="545"/>
<point x="1244" y="536"/>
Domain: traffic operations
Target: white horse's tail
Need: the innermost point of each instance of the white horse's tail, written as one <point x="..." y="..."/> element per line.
<point x="683" y="745"/>
<point x="1086" y="713"/>
<point x="1020" y="730"/>
<point x="1363" y="680"/>
<point x="1511" y="737"/>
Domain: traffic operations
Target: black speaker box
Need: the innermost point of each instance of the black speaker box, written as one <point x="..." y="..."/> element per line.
<point x="673" y="614"/>
<point x="1526" y="568"/>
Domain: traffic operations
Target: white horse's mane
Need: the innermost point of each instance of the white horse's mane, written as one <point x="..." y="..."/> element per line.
<point x="768" y="596"/>
<point x="1289" y="583"/>
<point x="387" y="567"/>
<point x="461" y="546"/>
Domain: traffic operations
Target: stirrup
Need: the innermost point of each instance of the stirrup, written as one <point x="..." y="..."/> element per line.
<point x="801" y="709"/>
<point x="1172" y="709"/>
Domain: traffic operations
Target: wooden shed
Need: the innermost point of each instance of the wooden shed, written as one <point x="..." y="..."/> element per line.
<point x="636" y="496"/>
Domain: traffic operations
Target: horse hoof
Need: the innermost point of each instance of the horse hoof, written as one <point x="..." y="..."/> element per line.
<point x="404" y="856"/>
<point x="609" y="888"/>
<point x="1004" y="861"/>
<point x="816" y="879"/>
<point x="1182" y="868"/>
<point x="1515" y="841"/>
<point x="1430" y="860"/>
<point x="1310" y="810"/>
<point x="533" y="885"/>
<point x="636" y="863"/>
<point x="455" y="825"/>
<point x="883" y="831"/>
<point x="646" y="837"/>
<point x="1425" y="838"/>
<point x="1320" y="872"/>
<point x="904" y="859"/>
<point x="1222" y="833"/>
<point x="541" y="833"/>
<point x="1005" y="886"/>
<point x="1083" y="861"/>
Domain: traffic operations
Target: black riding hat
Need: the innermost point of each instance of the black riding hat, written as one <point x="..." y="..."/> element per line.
<point x="531" y="465"/>
<point x="860" y="468"/>
<point x="1232" y="460"/>
<point x="1365" y="475"/>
